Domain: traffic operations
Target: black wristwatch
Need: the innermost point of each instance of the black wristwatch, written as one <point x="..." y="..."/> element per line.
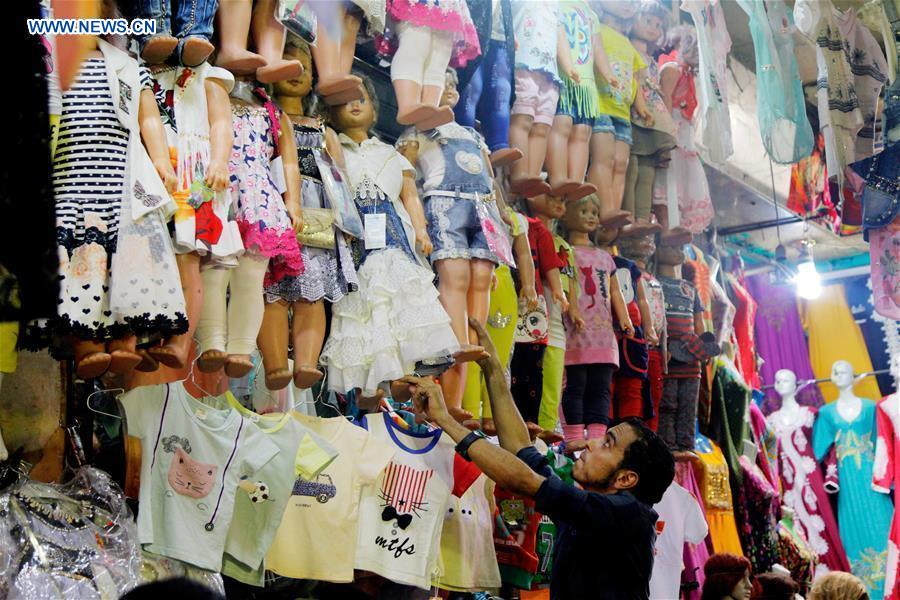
<point x="462" y="448"/>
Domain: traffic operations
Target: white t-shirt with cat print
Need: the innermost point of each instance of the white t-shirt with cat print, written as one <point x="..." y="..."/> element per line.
<point x="193" y="458"/>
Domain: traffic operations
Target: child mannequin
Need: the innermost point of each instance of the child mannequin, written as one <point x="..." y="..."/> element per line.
<point x="537" y="92"/>
<point x="592" y="354"/>
<point x="394" y="319"/>
<point x="432" y="35"/>
<point x="553" y="365"/>
<point x="684" y="192"/>
<point x="580" y="51"/>
<point x="234" y="21"/>
<point x="527" y="375"/>
<point x="334" y="57"/>
<point x="651" y="143"/>
<point x="485" y="85"/>
<point x="454" y="171"/>
<point x="328" y="274"/>
<point x="112" y="286"/>
<point x="684" y="322"/>
<point x="197" y="119"/>
<point x="611" y="140"/>
<point x="193" y="28"/>
<point x="268" y="224"/>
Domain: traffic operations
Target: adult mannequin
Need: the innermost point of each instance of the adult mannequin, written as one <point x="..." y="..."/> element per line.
<point x="849" y="405"/>
<point x="786" y="388"/>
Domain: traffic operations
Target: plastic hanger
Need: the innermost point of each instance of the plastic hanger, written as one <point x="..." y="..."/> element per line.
<point x="87" y="402"/>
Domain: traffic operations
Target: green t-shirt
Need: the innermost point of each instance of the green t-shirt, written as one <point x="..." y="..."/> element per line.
<point x="580" y="24"/>
<point x="625" y="61"/>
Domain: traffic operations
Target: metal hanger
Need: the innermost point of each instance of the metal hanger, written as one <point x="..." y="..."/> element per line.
<point x="87" y="402"/>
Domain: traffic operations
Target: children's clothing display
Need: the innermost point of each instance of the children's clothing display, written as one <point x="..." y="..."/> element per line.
<point x="864" y="515"/>
<point x="325" y="509"/>
<point x="394" y="319"/>
<point x="328" y="273"/>
<point x="580" y="23"/>
<point x="681" y="520"/>
<point x="193" y="458"/>
<point x="626" y="62"/>
<point x="402" y="512"/>
<point x="537" y="77"/>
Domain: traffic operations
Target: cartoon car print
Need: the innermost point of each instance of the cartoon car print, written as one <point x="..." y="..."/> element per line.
<point x="322" y="489"/>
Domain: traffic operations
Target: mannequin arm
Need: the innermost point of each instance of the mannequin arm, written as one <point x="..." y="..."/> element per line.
<point x="574" y="311"/>
<point x="640" y="103"/>
<point x="620" y="308"/>
<point x="409" y="149"/>
<point x="668" y="78"/>
<point x="287" y="149"/>
<point x="221" y="136"/>
<point x="410" y="198"/>
<point x="601" y="61"/>
<point x="333" y="147"/>
<point x="564" y="57"/>
<point x="154" y="135"/>
<point x="525" y="263"/>
<point x="646" y="319"/>
<point x="699" y="325"/>
<point x="556" y="291"/>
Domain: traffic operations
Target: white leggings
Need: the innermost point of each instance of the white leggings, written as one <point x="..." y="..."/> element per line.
<point x="423" y="55"/>
<point x="245" y="308"/>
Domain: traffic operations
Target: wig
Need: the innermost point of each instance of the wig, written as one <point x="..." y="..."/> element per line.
<point x="723" y="572"/>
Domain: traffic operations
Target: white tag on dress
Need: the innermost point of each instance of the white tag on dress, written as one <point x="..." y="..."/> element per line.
<point x="376" y="230"/>
<point x="277" y="168"/>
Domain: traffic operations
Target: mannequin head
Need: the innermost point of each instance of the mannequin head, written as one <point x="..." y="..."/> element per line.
<point x="546" y="207"/>
<point x="727" y="578"/>
<point x="785" y="382"/>
<point x="620" y="9"/>
<point x="776" y="586"/>
<point x="606" y="236"/>
<point x="638" y="248"/>
<point x="684" y="39"/>
<point x="652" y="23"/>
<point x="838" y="585"/>
<point x="450" y="96"/>
<point x="301" y="85"/>
<point x="842" y="374"/>
<point x="583" y="215"/>
<point x="670" y="255"/>
<point x="360" y="114"/>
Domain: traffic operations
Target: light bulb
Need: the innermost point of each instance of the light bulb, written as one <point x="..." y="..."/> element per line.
<point x="808" y="281"/>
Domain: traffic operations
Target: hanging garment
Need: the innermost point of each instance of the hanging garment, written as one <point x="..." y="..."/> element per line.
<point x="780" y="340"/>
<point x="695" y="555"/>
<point x="860" y="299"/>
<point x="834" y="335"/>
<point x="852" y="71"/>
<point x="795" y="555"/>
<point x="714" y="44"/>
<point x="712" y="474"/>
<point x="681" y="521"/>
<point x="864" y="515"/>
<point x="803" y="487"/>
<point x="744" y="320"/>
<point x="886" y="474"/>
<point x="757" y="508"/>
<point x="780" y="104"/>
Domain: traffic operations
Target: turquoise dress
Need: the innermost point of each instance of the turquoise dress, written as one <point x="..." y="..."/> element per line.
<point x="864" y="515"/>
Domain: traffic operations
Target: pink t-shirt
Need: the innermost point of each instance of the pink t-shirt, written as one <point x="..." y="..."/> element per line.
<point x="597" y="343"/>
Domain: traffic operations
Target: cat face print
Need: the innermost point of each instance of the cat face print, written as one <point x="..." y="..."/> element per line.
<point x="190" y="477"/>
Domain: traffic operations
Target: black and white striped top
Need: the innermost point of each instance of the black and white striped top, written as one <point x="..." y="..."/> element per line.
<point x="89" y="168"/>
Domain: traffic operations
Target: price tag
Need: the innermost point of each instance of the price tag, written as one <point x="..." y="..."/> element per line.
<point x="277" y="168"/>
<point x="376" y="230"/>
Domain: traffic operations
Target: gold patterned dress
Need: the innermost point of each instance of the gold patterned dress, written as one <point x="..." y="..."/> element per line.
<point x="712" y="476"/>
<point x="864" y="515"/>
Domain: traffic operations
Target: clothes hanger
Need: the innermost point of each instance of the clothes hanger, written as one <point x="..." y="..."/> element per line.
<point x="87" y="402"/>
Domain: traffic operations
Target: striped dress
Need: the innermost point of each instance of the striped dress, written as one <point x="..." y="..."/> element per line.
<point x="89" y="180"/>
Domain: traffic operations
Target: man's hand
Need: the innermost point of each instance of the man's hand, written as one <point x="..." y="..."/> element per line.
<point x="428" y="399"/>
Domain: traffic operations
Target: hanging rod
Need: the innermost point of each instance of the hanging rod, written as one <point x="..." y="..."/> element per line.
<point x="747" y="227"/>
<point x="802" y="384"/>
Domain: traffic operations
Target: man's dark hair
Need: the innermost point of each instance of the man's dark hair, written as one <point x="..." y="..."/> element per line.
<point x="651" y="459"/>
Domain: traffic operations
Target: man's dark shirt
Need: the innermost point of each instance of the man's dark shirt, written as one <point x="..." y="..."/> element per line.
<point x="604" y="542"/>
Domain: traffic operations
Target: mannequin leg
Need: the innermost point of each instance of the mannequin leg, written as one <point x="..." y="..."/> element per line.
<point x="308" y="331"/>
<point x="193" y="26"/>
<point x="631" y="179"/>
<point x="597" y="399"/>
<point x="579" y="148"/>
<point x="685" y="424"/>
<point x="573" y="401"/>
<point x="454" y="278"/>
<point x="157" y="48"/>
<point x="245" y="314"/>
<point x="519" y="133"/>
<point x="233" y="25"/>
<point x="558" y="156"/>
<point x="91" y="359"/>
<point x="668" y="409"/>
<point x="600" y="173"/>
<point x="537" y="147"/>
<point x="269" y="36"/>
<point x="123" y="354"/>
<point x="408" y="73"/>
<point x="173" y="353"/>
<point x="622" y="154"/>
<point x="643" y="187"/>
<point x="470" y="98"/>
<point x="435" y="76"/>
<point x="273" y="344"/>
<point x="493" y="108"/>
<point x="525" y="174"/>
<point x="211" y="324"/>
<point x="329" y="54"/>
<point x="553" y="370"/>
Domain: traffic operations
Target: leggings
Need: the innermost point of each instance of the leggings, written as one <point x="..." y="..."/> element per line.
<point x="678" y="412"/>
<point x="655" y="374"/>
<point x="586" y="397"/>
<point x="244" y="311"/>
<point x="503" y="310"/>
<point x="554" y="367"/>
<point x="639" y="178"/>
<point x="423" y="55"/>
<point x="528" y="379"/>
<point x="487" y="97"/>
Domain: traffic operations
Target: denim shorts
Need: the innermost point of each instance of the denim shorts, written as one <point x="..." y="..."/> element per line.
<point x="620" y="128"/>
<point x="455" y="229"/>
<point x="576" y="118"/>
